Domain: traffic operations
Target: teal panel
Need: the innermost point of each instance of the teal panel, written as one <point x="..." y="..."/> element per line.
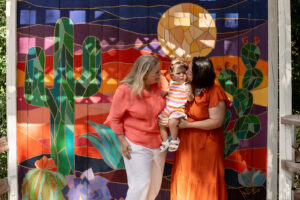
<point x="70" y="146"/>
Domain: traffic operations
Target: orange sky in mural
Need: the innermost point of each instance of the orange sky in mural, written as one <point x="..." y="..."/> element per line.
<point x="34" y="130"/>
<point x="116" y="65"/>
<point x="111" y="69"/>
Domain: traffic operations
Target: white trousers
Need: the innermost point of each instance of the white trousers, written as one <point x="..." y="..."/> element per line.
<point x="144" y="172"/>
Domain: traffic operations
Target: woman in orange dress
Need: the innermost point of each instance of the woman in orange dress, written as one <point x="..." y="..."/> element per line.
<point x="198" y="171"/>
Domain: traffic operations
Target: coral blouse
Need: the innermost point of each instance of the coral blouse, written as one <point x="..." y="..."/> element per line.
<point x="137" y="117"/>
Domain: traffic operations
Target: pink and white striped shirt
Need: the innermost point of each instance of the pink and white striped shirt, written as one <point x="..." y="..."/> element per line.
<point x="177" y="95"/>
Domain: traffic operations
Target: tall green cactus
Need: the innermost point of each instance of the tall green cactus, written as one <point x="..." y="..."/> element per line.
<point x="61" y="98"/>
<point x="246" y="126"/>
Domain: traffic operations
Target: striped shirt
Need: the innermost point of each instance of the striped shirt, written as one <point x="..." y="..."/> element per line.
<point x="177" y="95"/>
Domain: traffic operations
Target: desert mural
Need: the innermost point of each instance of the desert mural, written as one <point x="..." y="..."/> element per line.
<point x="72" y="55"/>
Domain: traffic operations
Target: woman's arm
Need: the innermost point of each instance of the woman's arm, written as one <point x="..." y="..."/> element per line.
<point x="115" y="118"/>
<point x="118" y="109"/>
<point x="125" y="147"/>
<point x="215" y="120"/>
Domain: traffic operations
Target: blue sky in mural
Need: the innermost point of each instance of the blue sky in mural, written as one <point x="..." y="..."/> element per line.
<point x="216" y="4"/>
<point x="126" y="14"/>
<point x="233" y="18"/>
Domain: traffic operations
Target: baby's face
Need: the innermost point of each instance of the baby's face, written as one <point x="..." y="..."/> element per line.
<point x="179" y="74"/>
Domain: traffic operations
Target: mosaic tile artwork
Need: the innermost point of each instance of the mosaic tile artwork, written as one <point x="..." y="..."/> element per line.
<point x="247" y="125"/>
<point x="187" y="30"/>
<point x="44" y="181"/>
<point x="61" y="99"/>
<point x="72" y="55"/>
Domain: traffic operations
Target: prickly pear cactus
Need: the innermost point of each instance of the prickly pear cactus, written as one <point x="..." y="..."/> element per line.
<point x="246" y="126"/>
<point x="61" y="98"/>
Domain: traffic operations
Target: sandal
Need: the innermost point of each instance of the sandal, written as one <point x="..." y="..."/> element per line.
<point x="164" y="145"/>
<point x="174" y="145"/>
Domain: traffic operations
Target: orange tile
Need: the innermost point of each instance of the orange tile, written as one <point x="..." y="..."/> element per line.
<point x="250" y="158"/>
<point x="88" y="152"/>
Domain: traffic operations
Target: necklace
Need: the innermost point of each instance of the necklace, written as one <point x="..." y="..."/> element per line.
<point x="198" y="91"/>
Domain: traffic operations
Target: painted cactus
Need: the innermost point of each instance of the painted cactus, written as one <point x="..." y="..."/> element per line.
<point x="247" y="125"/>
<point x="43" y="182"/>
<point x="61" y="98"/>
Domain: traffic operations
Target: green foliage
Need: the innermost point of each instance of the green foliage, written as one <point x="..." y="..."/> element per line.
<point x="295" y="8"/>
<point x="3" y="156"/>
<point x="2" y="84"/>
<point x="2" y="69"/>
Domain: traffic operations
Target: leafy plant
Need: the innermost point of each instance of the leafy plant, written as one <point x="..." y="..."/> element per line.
<point x="107" y="144"/>
<point x="295" y="20"/>
<point x="3" y="156"/>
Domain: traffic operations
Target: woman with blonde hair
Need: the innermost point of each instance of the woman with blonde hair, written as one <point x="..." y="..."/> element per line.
<point x="134" y="118"/>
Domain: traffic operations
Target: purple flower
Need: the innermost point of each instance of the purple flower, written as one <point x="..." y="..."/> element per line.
<point x="88" y="186"/>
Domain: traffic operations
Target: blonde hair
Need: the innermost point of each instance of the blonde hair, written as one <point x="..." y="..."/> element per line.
<point x="142" y="66"/>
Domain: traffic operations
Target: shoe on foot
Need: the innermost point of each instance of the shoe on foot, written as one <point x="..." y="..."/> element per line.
<point x="164" y="145"/>
<point x="173" y="146"/>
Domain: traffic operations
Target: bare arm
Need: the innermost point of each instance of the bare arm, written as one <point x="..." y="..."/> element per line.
<point x="215" y="120"/>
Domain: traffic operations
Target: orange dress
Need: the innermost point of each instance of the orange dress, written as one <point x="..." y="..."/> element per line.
<point x="198" y="170"/>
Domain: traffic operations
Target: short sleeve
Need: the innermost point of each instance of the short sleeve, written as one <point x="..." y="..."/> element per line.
<point x="217" y="94"/>
<point x="118" y="109"/>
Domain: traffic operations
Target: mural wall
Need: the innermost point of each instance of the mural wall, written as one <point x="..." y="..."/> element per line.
<point x="72" y="55"/>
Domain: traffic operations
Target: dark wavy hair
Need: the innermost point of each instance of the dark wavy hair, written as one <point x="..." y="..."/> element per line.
<point x="203" y="72"/>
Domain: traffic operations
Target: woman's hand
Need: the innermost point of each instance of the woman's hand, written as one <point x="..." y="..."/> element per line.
<point x="183" y="124"/>
<point x="163" y="93"/>
<point x="125" y="147"/>
<point x="163" y="121"/>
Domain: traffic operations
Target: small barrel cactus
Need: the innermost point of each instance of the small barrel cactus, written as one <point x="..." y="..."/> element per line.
<point x="43" y="182"/>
